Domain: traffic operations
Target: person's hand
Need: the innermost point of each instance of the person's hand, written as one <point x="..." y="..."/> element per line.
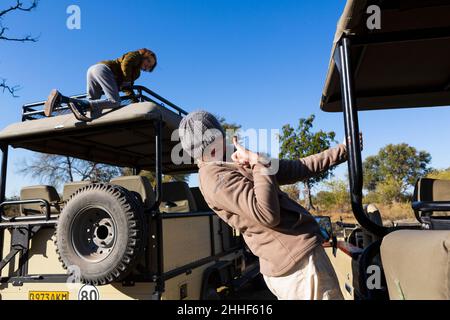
<point x="361" y="142"/>
<point x="243" y="156"/>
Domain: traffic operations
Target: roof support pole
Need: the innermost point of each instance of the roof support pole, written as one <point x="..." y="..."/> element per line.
<point x="3" y="171"/>
<point x="160" y="281"/>
<point x="343" y="63"/>
<point x="4" y="167"/>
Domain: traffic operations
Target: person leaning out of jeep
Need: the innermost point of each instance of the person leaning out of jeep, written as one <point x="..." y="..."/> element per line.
<point x="106" y="78"/>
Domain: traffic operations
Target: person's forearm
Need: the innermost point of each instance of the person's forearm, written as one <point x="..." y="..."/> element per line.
<point x="126" y="89"/>
<point x="293" y="171"/>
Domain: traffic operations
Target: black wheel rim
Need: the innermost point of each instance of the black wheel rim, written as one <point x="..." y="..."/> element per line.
<point x="93" y="233"/>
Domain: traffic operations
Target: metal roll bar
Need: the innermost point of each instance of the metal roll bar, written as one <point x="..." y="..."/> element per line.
<point x="430" y="206"/>
<point x="32" y="111"/>
<point x="343" y="63"/>
<point x="46" y="204"/>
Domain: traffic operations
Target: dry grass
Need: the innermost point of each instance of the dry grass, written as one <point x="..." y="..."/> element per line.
<point x="389" y="213"/>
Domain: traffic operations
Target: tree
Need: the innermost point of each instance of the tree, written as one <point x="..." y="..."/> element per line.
<point x="18" y="6"/>
<point x="57" y="170"/>
<point x="389" y="190"/>
<point x="340" y="193"/>
<point x="231" y="128"/>
<point x="335" y="196"/>
<point x="302" y="142"/>
<point x="395" y="169"/>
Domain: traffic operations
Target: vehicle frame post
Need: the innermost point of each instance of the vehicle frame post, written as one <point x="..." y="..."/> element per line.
<point x="160" y="281"/>
<point x="3" y="172"/>
<point x="343" y="62"/>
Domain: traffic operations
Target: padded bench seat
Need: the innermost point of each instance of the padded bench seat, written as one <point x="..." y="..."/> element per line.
<point x="48" y="193"/>
<point x="417" y="264"/>
<point x="139" y="184"/>
<point x="72" y="187"/>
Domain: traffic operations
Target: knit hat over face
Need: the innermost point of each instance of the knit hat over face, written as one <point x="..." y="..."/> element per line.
<point x="197" y="131"/>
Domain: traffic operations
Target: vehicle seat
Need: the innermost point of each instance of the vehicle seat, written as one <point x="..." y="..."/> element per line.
<point x="139" y="184"/>
<point x="48" y="193"/>
<point x="177" y="197"/>
<point x="433" y="190"/>
<point x="202" y="206"/>
<point x="374" y="215"/>
<point x="417" y="264"/>
<point x="72" y="187"/>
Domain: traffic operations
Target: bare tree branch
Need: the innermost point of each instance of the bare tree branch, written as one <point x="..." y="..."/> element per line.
<point x="58" y="170"/>
<point x="19" y="7"/>
<point x="12" y="90"/>
<point x="27" y="38"/>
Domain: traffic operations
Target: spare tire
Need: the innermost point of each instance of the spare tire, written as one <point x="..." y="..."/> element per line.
<point x="100" y="233"/>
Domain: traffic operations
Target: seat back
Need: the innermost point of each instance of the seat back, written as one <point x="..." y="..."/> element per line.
<point x="72" y="187"/>
<point x="177" y="197"/>
<point x="140" y="185"/>
<point x="48" y="193"/>
<point x="417" y="264"/>
<point x="374" y="215"/>
<point x="427" y="189"/>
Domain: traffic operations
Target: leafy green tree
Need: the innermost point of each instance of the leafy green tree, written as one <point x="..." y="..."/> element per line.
<point x="339" y="190"/>
<point x="394" y="170"/>
<point x="231" y="128"/>
<point x="303" y="142"/>
<point x="335" y="196"/>
<point x="324" y="200"/>
<point x="372" y="197"/>
<point x="389" y="190"/>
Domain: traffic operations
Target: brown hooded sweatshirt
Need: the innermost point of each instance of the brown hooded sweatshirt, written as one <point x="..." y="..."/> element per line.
<point x="276" y="228"/>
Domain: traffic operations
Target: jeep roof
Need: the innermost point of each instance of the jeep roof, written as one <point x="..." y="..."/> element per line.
<point x="402" y="65"/>
<point x="122" y="137"/>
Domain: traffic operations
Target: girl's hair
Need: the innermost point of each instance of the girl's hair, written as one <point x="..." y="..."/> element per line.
<point x="146" y="53"/>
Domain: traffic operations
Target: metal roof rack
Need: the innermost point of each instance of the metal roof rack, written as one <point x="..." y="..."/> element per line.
<point x="34" y="111"/>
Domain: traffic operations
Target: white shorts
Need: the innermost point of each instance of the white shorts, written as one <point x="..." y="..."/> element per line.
<point x="313" y="279"/>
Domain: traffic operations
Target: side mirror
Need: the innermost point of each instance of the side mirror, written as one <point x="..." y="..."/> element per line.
<point x="326" y="227"/>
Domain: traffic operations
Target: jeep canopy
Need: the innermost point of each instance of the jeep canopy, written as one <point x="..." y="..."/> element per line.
<point x="122" y="137"/>
<point x="404" y="64"/>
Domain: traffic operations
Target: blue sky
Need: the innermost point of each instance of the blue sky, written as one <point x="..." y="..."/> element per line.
<point x="259" y="63"/>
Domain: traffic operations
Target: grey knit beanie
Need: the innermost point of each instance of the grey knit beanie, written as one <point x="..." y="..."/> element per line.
<point x="198" y="130"/>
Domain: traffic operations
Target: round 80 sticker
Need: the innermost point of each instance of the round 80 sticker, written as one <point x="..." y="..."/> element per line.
<point x="88" y="292"/>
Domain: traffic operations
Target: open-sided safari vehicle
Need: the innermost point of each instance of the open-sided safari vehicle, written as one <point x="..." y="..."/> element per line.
<point x="404" y="64"/>
<point x="116" y="240"/>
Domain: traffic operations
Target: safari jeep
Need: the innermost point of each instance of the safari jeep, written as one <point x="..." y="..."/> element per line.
<point x="117" y="240"/>
<point x="403" y="64"/>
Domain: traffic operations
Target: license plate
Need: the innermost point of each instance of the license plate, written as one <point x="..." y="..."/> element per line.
<point x="48" y="295"/>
